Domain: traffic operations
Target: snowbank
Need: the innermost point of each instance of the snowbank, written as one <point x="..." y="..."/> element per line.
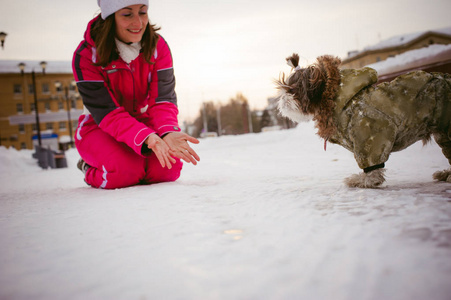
<point x="414" y="58"/>
<point x="263" y="216"/>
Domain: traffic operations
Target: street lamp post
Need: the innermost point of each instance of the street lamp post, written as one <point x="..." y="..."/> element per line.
<point x="2" y="38"/>
<point x="33" y="78"/>
<point x="46" y="157"/>
<point x="68" y="102"/>
<point x="59" y="87"/>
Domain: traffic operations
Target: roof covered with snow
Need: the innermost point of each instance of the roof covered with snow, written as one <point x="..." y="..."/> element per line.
<point x="403" y="39"/>
<point x="400" y="40"/>
<point x="12" y="66"/>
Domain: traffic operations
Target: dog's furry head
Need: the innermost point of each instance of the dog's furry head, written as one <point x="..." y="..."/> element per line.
<point x="310" y="91"/>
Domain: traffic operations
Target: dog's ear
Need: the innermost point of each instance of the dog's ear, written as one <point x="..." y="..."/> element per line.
<point x="316" y="76"/>
<point x="293" y="60"/>
<point x="314" y="85"/>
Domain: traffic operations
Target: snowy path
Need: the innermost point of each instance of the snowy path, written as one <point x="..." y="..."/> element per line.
<point x="263" y="216"/>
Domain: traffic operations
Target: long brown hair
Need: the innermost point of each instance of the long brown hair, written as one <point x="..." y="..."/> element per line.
<point x="103" y="33"/>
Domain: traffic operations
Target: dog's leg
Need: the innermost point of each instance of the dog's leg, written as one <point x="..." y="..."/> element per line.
<point x="444" y="175"/>
<point x="372" y="179"/>
<point x="373" y="138"/>
<point x="444" y="142"/>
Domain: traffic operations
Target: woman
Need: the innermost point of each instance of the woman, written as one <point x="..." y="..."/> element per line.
<point x="129" y="133"/>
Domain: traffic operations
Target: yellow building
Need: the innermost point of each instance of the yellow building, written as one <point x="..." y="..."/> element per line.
<point x="59" y="104"/>
<point x="396" y="45"/>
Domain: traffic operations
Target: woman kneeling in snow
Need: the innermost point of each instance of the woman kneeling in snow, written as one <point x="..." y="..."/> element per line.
<point x="129" y="132"/>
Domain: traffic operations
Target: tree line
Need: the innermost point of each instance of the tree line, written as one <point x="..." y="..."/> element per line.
<point x="236" y="117"/>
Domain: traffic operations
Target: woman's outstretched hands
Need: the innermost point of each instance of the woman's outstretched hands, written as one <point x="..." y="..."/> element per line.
<point x="161" y="150"/>
<point x="173" y="144"/>
<point x="179" y="147"/>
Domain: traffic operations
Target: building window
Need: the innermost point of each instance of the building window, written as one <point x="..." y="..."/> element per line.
<point x="21" y="128"/>
<point x="23" y="145"/>
<point x="34" y="127"/>
<point x="49" y="126"/>
<point x="60" y="105"/>
<point x="47" y="106"/>
<point x="74" y="124"/>
<point x="30" y="89"/>
<point x="19" y="108"/>
<point x="72" y="85"/>
<point x="58" y="86"/>
<point x="62" y="126"/>
<point x="32" y="108"/>
<point x="45" y="88"/>
<point x="17" y="89"/>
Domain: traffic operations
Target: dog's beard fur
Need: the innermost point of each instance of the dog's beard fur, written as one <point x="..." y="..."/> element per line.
<point x="289" y="107"/>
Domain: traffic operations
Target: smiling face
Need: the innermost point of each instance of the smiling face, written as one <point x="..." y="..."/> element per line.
<point x="131" y="22"/>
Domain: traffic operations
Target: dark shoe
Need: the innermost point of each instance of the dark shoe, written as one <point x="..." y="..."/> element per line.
<point x="83" y="166"/>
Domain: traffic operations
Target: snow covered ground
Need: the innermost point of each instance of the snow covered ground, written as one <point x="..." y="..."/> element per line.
<point x="263" y="216"/>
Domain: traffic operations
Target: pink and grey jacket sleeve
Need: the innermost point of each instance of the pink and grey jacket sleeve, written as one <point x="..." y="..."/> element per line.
<point x="162" y="92"/>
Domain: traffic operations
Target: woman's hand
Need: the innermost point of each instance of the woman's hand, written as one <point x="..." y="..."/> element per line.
<point x="161" y="150"/>
<point x="179" y="147"/>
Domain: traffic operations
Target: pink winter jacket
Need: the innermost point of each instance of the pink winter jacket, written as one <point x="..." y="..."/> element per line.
<point x="129" y="102"/>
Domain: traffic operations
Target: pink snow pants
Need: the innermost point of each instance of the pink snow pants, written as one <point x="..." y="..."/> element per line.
<point x="114" y="164"/>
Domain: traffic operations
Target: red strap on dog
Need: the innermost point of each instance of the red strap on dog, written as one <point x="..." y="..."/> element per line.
<point x="325" y="143"/>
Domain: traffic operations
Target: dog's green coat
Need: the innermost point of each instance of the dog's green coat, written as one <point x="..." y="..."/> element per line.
<point x="373" y="121"/>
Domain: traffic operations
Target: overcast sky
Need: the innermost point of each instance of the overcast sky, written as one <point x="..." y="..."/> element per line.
<point x="224" y="47"/>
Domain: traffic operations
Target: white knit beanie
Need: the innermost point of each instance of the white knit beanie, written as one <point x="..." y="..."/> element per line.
<point x="109" y="7"/>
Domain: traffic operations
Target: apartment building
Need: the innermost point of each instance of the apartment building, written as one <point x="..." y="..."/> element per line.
<point x="46" y="87"/>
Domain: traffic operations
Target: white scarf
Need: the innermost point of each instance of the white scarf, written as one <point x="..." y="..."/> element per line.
<point x="128" y="52"/>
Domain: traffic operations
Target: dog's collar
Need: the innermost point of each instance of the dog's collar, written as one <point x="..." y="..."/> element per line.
<point x="369" y="169"/>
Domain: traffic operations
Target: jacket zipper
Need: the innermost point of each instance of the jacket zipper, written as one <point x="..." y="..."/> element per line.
<point x="134" y="89"/>
<point x="133" y="82"/>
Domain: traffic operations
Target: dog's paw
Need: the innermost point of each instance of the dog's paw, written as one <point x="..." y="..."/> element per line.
<point x="444" y="175"/>
<point x="371" y="179"/>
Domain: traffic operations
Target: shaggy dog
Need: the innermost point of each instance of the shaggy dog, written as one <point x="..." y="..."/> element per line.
<point x="369" y="120"/>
